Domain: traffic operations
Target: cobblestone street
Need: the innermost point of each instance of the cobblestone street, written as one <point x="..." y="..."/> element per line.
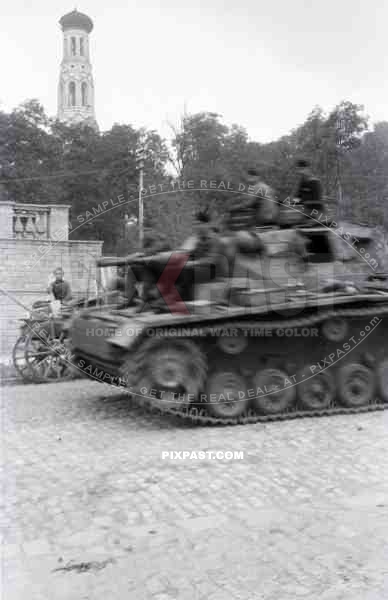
<point x="91" y="510"/>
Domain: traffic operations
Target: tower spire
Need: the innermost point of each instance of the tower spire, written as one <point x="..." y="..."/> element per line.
<point x="76" y="87"/>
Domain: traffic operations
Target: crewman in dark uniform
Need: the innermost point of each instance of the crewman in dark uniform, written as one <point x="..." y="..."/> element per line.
<point x="309" y="192"/>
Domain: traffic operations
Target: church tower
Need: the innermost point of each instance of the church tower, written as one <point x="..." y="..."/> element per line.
<point x="76" y="89"/>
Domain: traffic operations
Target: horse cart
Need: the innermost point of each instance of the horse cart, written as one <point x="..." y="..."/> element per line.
<point x="42" y="350"/>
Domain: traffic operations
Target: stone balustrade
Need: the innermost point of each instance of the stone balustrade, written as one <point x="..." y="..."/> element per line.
<point x="31" y="222"/>
<point x="34" y="221"/>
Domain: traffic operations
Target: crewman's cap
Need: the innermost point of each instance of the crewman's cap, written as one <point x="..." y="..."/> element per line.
<point x="302" y="163"/>
<point x="253" y="171"/>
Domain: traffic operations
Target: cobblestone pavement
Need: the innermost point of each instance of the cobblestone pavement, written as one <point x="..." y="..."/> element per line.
<point x="92" y="511"/>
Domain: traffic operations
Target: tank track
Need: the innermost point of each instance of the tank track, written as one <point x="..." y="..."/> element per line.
<point x="197" y="414"/>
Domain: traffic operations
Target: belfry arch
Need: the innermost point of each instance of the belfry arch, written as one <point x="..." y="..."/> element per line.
<point x="84" y="93"/>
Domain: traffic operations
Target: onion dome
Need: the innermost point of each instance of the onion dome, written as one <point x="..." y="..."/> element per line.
<point x="76" y="20"/>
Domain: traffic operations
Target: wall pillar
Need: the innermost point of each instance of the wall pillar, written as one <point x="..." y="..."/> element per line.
<point x="6" y="219"/>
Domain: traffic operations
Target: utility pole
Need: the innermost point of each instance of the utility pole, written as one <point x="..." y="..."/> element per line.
<point x="341" y="131"/>
<point x="340" y="199"/>
<point x="140" y="166"/>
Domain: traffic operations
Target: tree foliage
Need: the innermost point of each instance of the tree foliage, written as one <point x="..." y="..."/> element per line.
<point x="45" y="161"/>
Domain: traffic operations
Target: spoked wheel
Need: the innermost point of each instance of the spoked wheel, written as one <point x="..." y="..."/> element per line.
<point x="168" y="373"/>
<point x="273" y="393"/>
<point x="356" y="385"/>
<point x="382" y="379"/>
<point x="19" y="359"/>
<point x="47" y="355"/>
<point x="317" y="392"/>
<point x="226" y="395"/>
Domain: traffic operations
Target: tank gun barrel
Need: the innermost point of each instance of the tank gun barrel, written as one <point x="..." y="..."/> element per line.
<point x="136" y="259"/>
<point x="118" y="261"/>
<point x="139" y="261"/>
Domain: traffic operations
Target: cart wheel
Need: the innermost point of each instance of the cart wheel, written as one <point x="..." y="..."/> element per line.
<point x="47" y="354"/>
<point x="19" y="359"/>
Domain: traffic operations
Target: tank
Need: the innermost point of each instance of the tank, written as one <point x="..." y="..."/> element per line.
<point x="246" y="326"/>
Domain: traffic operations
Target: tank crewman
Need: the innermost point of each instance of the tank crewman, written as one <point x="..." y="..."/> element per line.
<point x="309" y="191"/>
<point x="267" y="208"/>
<point x="251" y="210"/>
<point x="121" y="289"/>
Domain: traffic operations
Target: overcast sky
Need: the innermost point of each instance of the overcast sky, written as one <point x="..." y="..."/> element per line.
<point x="261" y="64"/>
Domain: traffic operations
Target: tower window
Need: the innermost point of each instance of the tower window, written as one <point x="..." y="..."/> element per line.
<point x="84" y="92"/>
<point x="81" y="46"/>
<point x="73" y="46"/>
<point x="72" y="93"/>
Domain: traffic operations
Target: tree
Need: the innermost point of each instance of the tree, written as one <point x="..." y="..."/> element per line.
<point x="197" y="144"/>
<point x="365" y="176"/>
<point x="345" y="126"/>
<point x="29" y="155"/>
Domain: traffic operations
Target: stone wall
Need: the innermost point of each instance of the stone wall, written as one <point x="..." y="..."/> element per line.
<point x="24" y="280"/>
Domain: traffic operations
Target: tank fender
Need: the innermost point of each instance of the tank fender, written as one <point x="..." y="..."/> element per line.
<point x="127" y="336"/>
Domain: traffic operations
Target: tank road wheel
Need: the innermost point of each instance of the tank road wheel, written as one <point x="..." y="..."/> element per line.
<point x="232" y="344"/>
<point x="317" y="392"/>
<point x="382" y="379"/>
<point x="356" y="385"/>
<point x="222" y="398"/>
<point x="171" y="372"/>
<point x="273" y="394"/>
<point x="19" y="359"/>
<point x="334" y="329"/>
